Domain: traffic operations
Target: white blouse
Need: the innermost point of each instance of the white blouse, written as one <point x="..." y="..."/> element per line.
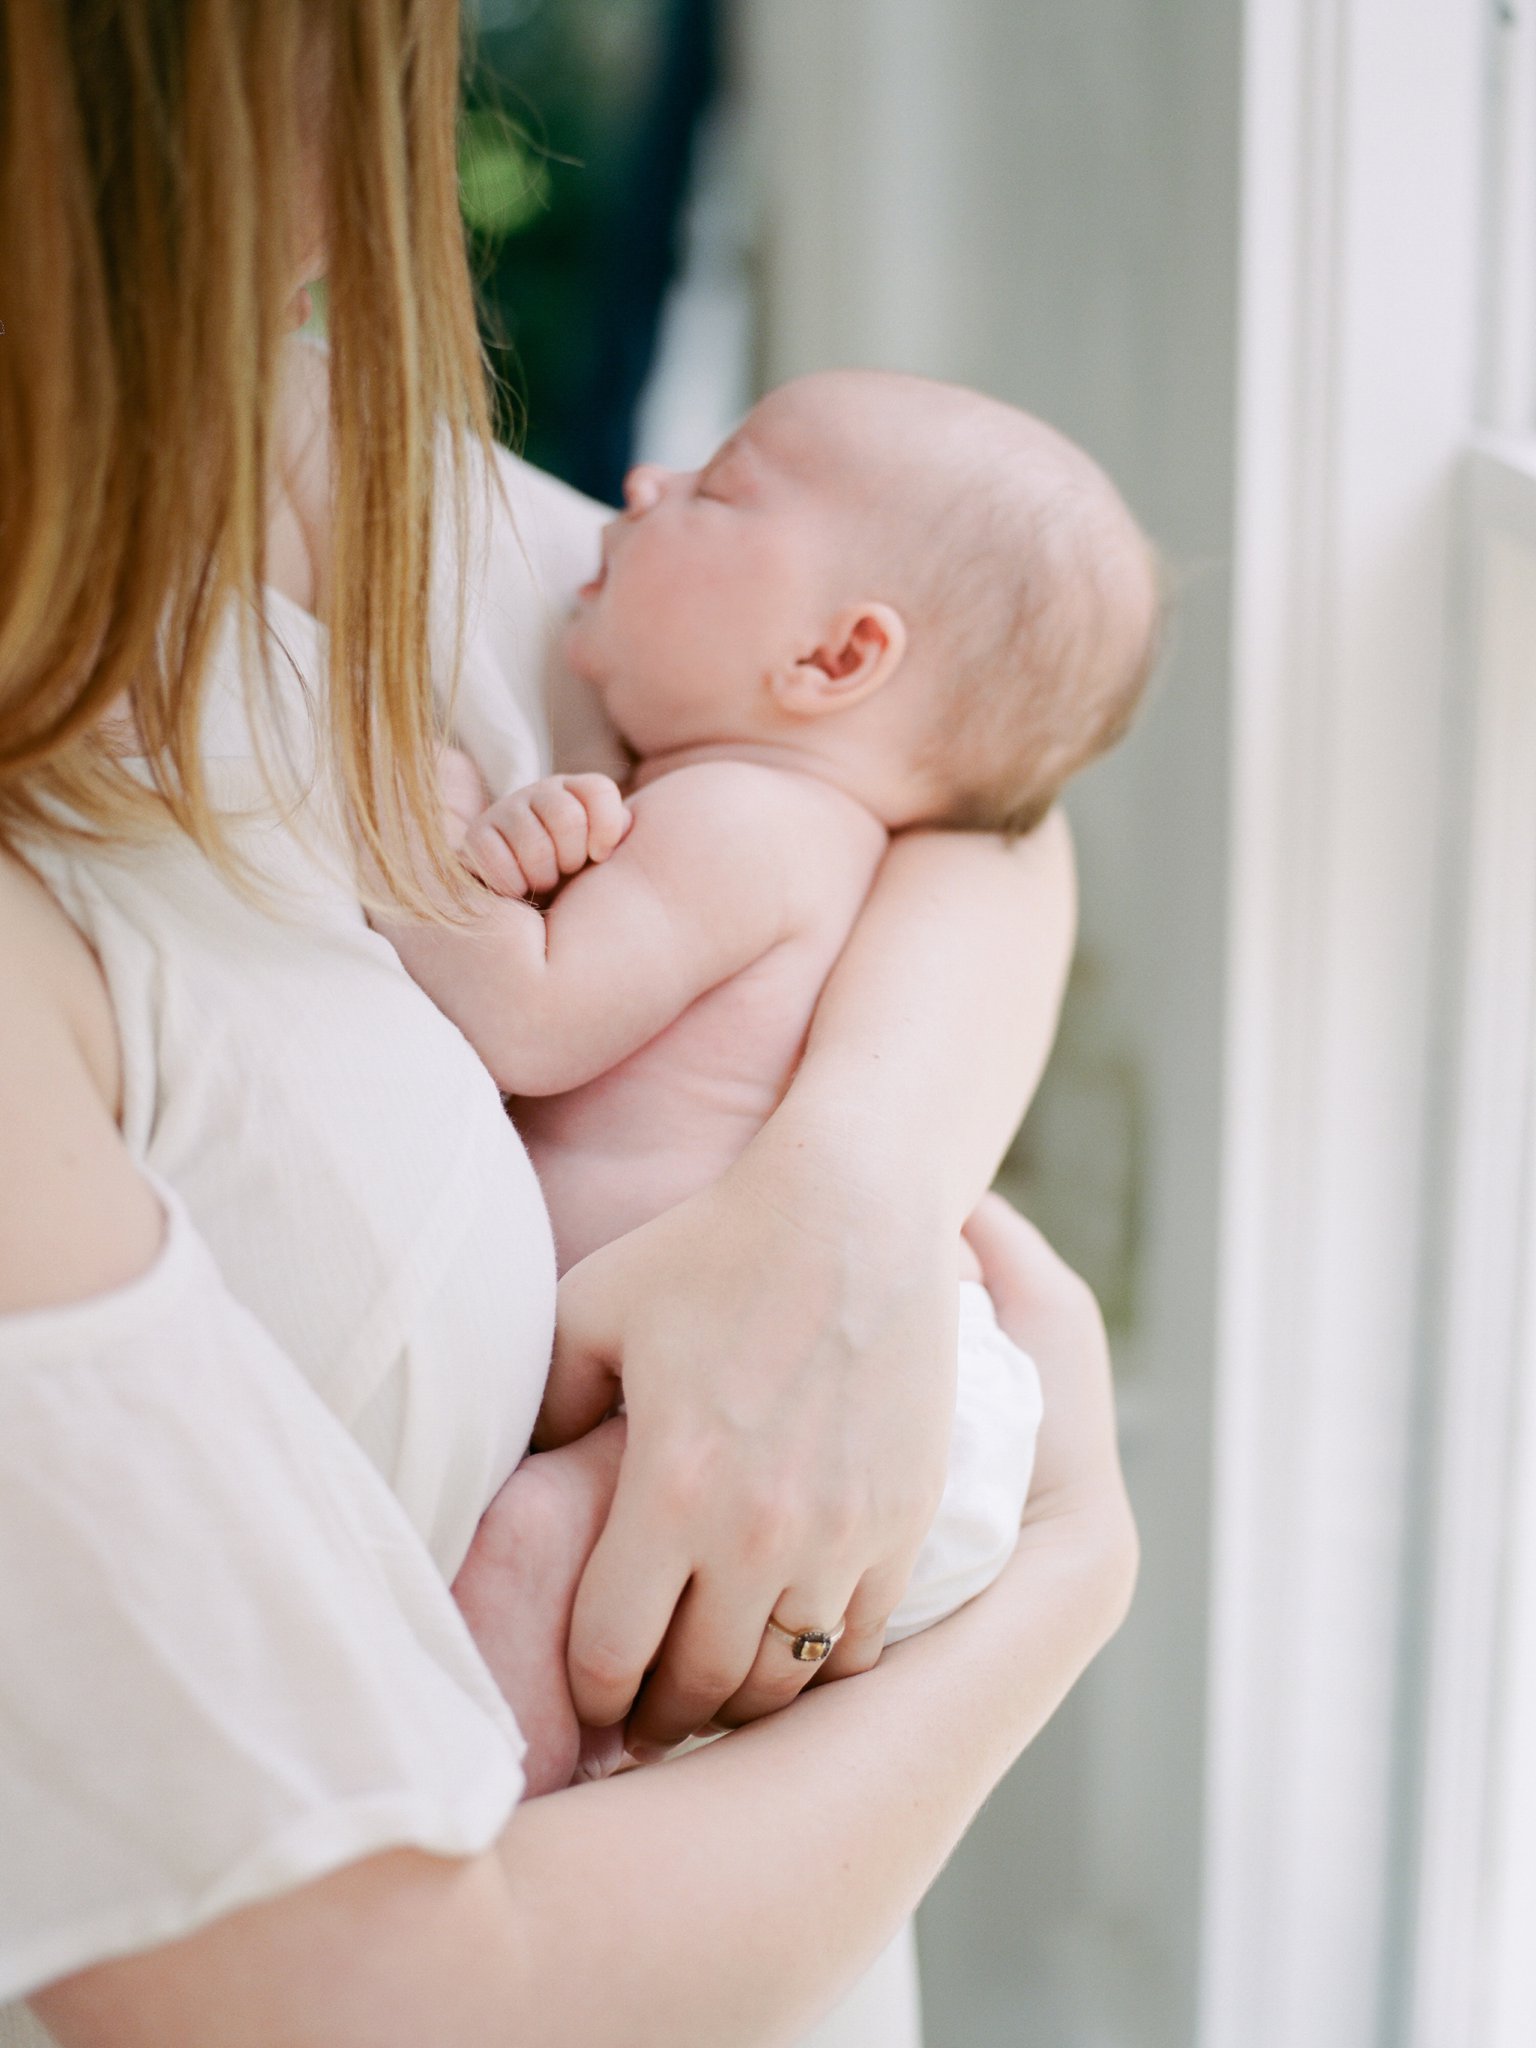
<point x="232" y="1493"/>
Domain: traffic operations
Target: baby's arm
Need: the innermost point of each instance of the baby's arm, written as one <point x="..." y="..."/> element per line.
<point x="703" y="885"/>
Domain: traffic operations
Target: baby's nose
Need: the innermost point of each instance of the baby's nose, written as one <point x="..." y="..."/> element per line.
<point x="644" y="485"/>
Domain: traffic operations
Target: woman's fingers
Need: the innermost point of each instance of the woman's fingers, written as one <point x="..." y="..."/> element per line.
<point x="1016" y="1258"/>
<point x="583" y="1383"/>
<point x="874" y="1599"/>
<point x="777" y="1675"/>
<point x="1050" y="1312"/>
<point x="624" y="1606"/>
<point x="710" y="1649"/>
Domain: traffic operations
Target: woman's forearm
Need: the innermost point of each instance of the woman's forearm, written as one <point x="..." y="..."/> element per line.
<point x="725" y="1897"/>
<point x="751" y="1949"/>
<point x="934" y="1028"/>
<point x="748" y="1948"/>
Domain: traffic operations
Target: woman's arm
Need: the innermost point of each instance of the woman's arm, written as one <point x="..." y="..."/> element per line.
<point x="944" y="1007"/>
<point x="786" y="1339"/>
<point x="729" y="1895"/>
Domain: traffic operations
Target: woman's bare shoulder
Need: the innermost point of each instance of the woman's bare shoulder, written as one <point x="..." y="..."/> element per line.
<point x="76" y="1217"/>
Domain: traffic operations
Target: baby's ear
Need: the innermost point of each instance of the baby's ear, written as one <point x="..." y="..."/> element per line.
<point x="861" y="649"/>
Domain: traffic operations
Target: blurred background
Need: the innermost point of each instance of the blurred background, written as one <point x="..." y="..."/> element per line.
<point x="1274" y="265"/>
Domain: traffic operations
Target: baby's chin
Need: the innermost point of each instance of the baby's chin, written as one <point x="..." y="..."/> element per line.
<point x="576" y="655"/>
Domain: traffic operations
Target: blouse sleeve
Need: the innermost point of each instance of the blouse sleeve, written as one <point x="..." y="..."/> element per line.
<point x="533" y="541"/>
<point x="229" y="1664"/>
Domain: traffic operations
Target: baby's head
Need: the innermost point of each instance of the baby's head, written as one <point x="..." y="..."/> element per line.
<point x="925" y="593"/>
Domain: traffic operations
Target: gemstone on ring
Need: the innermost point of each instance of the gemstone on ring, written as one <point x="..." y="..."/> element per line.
<point x="811" y="1646"/>
<point x="808" y="1645"/>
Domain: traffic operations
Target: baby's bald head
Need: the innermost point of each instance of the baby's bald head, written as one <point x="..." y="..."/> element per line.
<point x="1030" y="592"/>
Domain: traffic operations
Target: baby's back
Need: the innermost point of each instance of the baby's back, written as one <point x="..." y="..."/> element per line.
<point x="671" y="1117"/>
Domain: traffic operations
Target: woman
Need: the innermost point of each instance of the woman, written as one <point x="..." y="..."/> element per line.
<point x="277" y="1300"/>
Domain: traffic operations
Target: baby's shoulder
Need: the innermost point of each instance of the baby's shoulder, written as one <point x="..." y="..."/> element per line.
<point x="757" y="798"/>
<point x="724" y="821"/>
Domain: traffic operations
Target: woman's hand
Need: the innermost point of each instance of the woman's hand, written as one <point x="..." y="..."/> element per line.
<point x="786" y="1356"/>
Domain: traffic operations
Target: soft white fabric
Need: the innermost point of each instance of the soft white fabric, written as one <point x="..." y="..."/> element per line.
<point x="998" y="1410"/>
<point x="231" y="1661"/>
<point x="232" y="1495"/>
<point x="532" y="542"/>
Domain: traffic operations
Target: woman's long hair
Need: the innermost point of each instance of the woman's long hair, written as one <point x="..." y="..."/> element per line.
<point x="159" y="163"/>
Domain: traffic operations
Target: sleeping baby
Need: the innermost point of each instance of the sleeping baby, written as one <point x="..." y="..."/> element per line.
<point x="883" y="603"/>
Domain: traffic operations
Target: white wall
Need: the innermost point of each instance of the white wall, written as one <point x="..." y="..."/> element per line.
<point x="1041" y="199"/>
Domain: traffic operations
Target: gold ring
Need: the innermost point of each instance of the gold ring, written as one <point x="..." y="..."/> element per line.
<point x="809" y="1645"/>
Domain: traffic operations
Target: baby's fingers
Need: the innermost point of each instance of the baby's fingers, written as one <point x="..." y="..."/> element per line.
<point x="608" y="816"/>
<point x="564" y="819"/>
<point x="486" y="852"/>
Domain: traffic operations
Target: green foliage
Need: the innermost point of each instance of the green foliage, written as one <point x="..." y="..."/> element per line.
<point x="553" y="102"/>
<point x="503" y="185"/>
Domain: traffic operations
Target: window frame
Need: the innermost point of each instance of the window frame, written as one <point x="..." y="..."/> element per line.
<point x="1364" y="173"/>
<point x="1471" y="1977"/>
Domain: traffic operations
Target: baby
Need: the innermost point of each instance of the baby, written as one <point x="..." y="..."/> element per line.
<point x="884" y="602"/>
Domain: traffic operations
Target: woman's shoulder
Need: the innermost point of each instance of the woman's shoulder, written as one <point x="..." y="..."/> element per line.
<point x="81" y="1218"/>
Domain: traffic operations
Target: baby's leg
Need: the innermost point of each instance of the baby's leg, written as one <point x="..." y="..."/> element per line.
<point x="992" y="1452"/>
<point x="517" y="1588"/>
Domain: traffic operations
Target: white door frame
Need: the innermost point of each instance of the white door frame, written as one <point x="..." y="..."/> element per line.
<point x="1362" y="175"/>
<point x="1471" y="1981"/>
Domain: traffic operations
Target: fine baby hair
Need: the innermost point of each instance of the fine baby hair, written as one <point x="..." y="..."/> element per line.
<point x="1024" y="566"/>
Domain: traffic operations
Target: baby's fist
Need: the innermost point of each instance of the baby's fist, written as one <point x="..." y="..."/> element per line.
<point x="526" y="843"/>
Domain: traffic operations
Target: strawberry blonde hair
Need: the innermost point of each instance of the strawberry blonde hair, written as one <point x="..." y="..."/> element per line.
<point x="156" y="158"/>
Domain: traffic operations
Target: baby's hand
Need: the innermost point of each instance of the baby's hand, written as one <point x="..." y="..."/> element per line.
<point x="462" y="792"/>
<point x="526" y="843"/>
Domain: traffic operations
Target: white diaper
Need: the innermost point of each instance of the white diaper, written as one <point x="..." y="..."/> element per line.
<point x="991" y="1456"/>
